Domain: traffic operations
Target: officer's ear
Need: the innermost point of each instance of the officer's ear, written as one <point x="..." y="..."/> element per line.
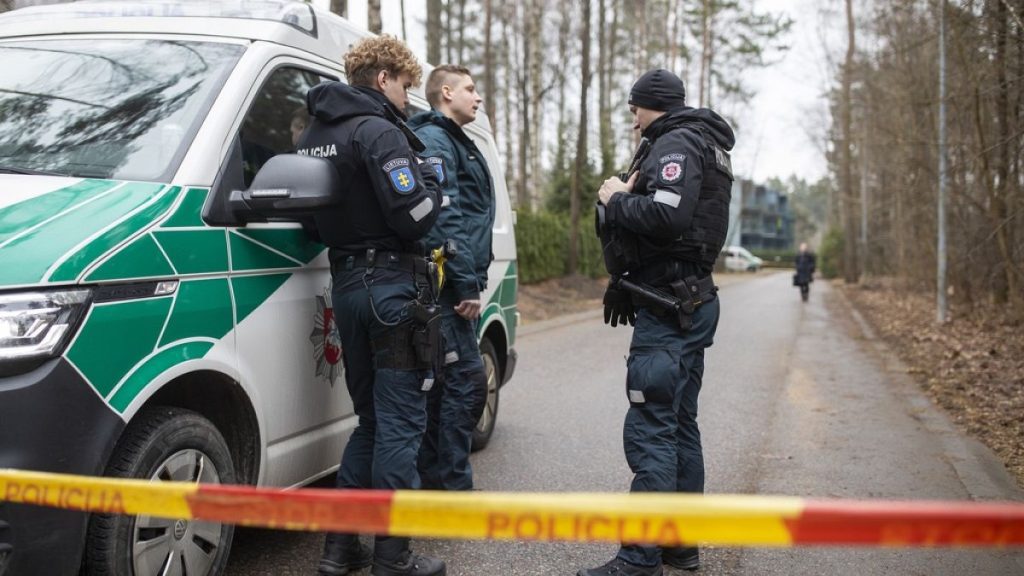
<point x="382" y="79"/>
<point x="446" y="93"/>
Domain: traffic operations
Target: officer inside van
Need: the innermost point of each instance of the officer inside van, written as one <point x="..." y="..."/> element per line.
<point x="664" y="226"/>
<point x="467" y="217"/>
<point x="380" y="279"/>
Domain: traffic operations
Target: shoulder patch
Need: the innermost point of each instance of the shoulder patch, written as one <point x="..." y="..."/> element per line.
<point x="401" y="177"/>
<point x="392" y="164"/>
<point x="438" y="165"/>
<point x="672" y="168"/>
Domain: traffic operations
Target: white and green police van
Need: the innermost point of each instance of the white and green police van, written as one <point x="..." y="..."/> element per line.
<point x="150" y="326"/>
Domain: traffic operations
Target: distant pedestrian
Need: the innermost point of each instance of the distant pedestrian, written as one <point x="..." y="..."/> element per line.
<point x="805" y="265"/>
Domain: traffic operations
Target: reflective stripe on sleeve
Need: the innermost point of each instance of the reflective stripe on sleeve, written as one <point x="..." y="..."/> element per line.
<point x="422" y="209"/>
<point x="665" y="197"/>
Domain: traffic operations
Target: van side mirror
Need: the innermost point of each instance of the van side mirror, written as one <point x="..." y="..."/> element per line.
<point x="287" y="187"/>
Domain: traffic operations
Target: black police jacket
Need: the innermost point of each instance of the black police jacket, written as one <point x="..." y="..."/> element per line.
<point x="391" y="198"/>
<point x="667" y="212"/>
<point x="467" y="213"/>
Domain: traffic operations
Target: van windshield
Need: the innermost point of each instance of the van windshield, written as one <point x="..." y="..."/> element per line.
<point x="122" y="109"/>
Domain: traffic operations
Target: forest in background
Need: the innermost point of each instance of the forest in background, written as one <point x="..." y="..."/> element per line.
<point x="884" y="150"/>
<point x="554" y="75"/>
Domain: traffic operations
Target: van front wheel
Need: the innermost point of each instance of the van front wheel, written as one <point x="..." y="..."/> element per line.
<point x="163" y="444"/>
<point x="485" y="426"/>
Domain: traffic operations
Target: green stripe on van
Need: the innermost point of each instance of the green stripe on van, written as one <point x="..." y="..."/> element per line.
<point x="195" y="251"/>
<point x="19" y="217"/>
<point x="92" y="252"/>
<point x="251" y="291"/>
<point x="201" y="309"/>
<point x="140" y="259"/>
<point x="190" y="210"/>
<point x="290" y="241"/>
<point x="247" y="255"/>
<point x="115" y="338"/>
<point x="27" y="257"/>
<point x="153" y="367"/>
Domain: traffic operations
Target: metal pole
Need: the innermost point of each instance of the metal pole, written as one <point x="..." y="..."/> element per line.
<point x="942" y="304"/>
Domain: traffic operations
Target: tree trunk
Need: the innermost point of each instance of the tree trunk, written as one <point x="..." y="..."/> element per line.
<point x="846" y="161"/>
<point x="401" y="5"/>
<point x="509" y="45"/>
<point x="339" y="7"/>
<point x="604" y="112"/>
<point x="460" y="57"/>
<point x="707" y="20"/>
<point x="434" y="31"/>
<point x="373" y="16"/>
<point x="522" y="65"/>
<point x="581" y="146"/>
<point x="537" y="53"/>
<point x="490" y="106"/>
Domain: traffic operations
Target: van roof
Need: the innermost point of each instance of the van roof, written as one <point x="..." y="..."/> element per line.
<point x="289" y="23"/>
<point x="294" y="24"/>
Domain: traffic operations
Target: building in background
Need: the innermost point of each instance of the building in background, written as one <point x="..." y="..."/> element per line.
<point x="766" y="218"/>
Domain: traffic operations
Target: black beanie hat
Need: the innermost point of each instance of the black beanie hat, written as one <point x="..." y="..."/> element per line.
<point x="658" y="90"/>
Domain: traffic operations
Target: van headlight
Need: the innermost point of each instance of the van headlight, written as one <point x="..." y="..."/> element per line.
<point x="35" y="326"/>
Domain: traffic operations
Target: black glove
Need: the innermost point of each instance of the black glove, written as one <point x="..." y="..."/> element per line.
<point x="618" y="306"/>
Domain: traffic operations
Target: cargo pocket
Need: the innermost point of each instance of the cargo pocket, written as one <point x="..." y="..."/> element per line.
<point x="449" y="342"/>
<point x="652" y="377"/>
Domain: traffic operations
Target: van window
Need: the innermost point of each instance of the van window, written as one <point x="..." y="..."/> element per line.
<point x="276" y="118"/>
<point x="106" y="108"/>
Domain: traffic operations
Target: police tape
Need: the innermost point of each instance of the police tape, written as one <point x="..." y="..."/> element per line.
<point x="666" y="519"/>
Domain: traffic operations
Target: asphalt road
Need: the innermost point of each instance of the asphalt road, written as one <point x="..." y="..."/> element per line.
<point x="798" y="399"/>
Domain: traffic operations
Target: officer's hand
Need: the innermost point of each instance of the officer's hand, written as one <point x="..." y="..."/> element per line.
<point x="613" y="186"/>
<point x="618" y="307"/>
<point x="468" y="309"/>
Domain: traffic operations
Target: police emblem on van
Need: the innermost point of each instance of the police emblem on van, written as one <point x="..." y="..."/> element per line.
<point x="325" y="339"/>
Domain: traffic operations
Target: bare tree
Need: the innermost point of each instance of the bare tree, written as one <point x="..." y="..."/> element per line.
<point x="373" y="16"/>
<point x="434" y="31"/>
<point x="850" y="272"/>
<point x="581" y="143"/>
<point x="339" y="7"/>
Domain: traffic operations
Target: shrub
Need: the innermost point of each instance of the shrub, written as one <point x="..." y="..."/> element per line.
<point x="542" y="240"/>
<point x="831" y="254"/>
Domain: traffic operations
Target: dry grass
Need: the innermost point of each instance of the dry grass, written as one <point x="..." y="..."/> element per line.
<point x="973" y="366"/>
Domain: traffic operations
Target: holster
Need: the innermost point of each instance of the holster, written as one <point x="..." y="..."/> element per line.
<point x="686" y="296"/>
<point x="414" y="344"/>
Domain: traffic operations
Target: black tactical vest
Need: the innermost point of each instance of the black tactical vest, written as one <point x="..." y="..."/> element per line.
<point x="703" y="241"/>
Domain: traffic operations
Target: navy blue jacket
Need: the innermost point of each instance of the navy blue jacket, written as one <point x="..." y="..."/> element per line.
<point x="392" y="198"/>
<point x="467" y="213"/>
<point x="662" y="208"/>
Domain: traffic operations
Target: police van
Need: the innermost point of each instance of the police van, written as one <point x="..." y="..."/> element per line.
<point x="149" y="327"/>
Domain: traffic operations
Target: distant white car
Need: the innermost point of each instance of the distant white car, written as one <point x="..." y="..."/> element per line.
<point x="739" y="259"/>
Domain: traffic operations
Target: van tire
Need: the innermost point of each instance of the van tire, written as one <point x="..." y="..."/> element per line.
<point x="485" y="426"/>
<point x="163" y="443"/>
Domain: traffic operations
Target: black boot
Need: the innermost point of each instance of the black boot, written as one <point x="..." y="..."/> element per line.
<point x="392" y="557"/>
<point x="618" y="567"/>
<point x="682" y="558"/>
<point x="343" y="553"/>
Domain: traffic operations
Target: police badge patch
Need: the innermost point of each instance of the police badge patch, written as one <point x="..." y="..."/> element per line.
<point x="438" y="165"/>
<point x="401" y="176"/>
<point x="671" y="172"/>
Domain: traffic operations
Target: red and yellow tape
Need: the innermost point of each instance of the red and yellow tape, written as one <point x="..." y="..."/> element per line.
<point x="666" y="519"/>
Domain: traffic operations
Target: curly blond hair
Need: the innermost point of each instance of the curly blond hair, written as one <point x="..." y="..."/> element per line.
<point x="371" y="55"/>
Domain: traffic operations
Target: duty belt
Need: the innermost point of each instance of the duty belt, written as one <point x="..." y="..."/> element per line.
<point x="681" y="298"/>
<point x="373" y="259"/>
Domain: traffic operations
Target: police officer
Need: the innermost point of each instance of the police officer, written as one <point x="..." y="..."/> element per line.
<point x="380" y="285"/>
<point x="663" y="229"/>
<point x="467" y="217"/>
